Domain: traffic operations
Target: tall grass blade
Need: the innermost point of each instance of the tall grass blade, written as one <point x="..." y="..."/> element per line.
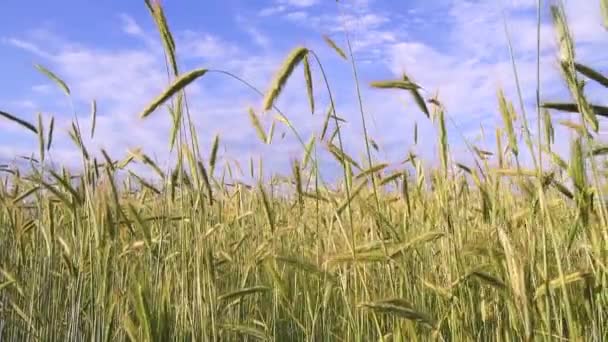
<point x="573" y="108"/>
<point x="568" y="279"/>
<point x="591" y="74"/>
<point x="19" y="121"/>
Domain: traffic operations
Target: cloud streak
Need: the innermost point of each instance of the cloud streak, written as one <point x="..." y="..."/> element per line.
<point x="464" y="59"/>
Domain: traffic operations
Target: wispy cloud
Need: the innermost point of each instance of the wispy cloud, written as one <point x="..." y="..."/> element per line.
<point x="459" y="52"/>
<point x="272" y="10"/>
<point x="27" y="46"/>
<point x="193" y="44"/>
<point x="300" y="3"/>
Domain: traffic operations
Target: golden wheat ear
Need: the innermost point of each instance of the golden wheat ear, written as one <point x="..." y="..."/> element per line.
<point x="177" y="85"/>
<point x="280" y="79"/>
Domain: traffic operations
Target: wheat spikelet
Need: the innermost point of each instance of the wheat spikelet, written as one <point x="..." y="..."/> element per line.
<point x="66" y="184"/>
<point x="93" y="117"/>
<point x="341" y="156"/>
<point x="257" y="125"/>
<point x="280" y="79"/>
<point x="267" y="208"/>
<point x="206" y="181"/>
<point x="74" y="134"/>
<point x="270" y="133"/>
<point x="516" y="280"/>
<point x="392" y="177"/>
<point x="443" y="292"/>
<point x="354" y="193"/>
<point x="213" y="154"/>
<point x="53" y="77"/>
<point x="165" y="34"/>
<point x="334" y="46"/>
<point x="309" y="88"/>
<point x="308" y="151"/>
<point x="246" y="330"/>
<point x="297" y="175"/>
<point x="568" y="67"/>
<point x="568" y="279"/>
<point x="415" y="242"/>
<point x="398" y="307"/>
<point x="176" y="114"/>
<point x="25" y="194"/>
<point x="306" y="266"/>
<point x="144" y="183"/>
<point x="508" y="117"/>
<point x="41" y="144"/>
<point x="489" y="279"/>
<point x="240" y="293"/>
<point x="443" y="139"/>
<point x="371" y="170"/>
<point x="178" y="84"/>
<point x="395" y="84"/>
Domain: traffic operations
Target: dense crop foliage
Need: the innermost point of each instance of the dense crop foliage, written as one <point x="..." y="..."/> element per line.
<point x="488" y="251"/>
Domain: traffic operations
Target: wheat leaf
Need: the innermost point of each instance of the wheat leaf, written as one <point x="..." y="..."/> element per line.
<point x="592" y="74"/>
<point x="19" y="121"/>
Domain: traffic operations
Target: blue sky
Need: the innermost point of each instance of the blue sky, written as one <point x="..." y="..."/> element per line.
<point x="110" y="51"/>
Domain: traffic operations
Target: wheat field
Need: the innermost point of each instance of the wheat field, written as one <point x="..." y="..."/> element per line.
<point x="498" y="250"/>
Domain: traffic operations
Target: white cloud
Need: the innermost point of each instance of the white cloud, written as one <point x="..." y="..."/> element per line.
<point x="297" y="16"/>
<point x="130" y="26"/>
<point x="192" y="44"/>
<point x="124" y="79"/>
<point x="272" y="10"/>
<point x="464" y="57"/>
<point x="27" y="46"/>
<point x="258" y="37"/>
<point x="24" y="104"/>
<point x="300" y="3"/>
<point x="42" y="89"/>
